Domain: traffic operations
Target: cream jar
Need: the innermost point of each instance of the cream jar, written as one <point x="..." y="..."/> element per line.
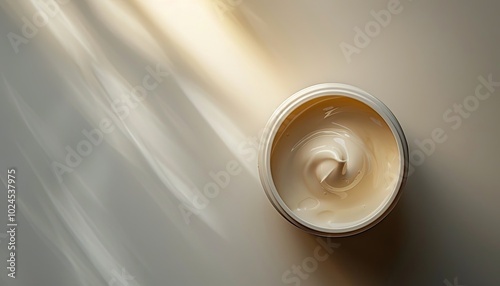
<point x="333" y="160"/>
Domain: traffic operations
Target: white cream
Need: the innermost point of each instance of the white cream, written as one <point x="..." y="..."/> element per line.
<point x="335" y="162"/>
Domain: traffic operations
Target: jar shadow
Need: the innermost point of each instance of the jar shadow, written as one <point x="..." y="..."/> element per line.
<point x="370" y="257"/>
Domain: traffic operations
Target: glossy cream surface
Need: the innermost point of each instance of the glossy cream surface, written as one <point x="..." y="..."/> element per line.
<point x="335" y="162"/>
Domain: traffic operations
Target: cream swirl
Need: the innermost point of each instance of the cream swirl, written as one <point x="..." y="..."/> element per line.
<point x="336" y="160"/>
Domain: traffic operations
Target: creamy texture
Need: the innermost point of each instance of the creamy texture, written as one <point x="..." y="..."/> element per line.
<point x="335" y="162"/>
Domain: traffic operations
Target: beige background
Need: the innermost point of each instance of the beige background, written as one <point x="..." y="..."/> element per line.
<point x="119" y="218"/>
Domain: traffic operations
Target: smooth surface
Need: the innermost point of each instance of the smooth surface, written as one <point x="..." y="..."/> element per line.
<point x="171" y="195"/>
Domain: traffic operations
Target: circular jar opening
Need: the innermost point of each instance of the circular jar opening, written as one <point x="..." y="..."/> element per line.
<point x="333" y="160"/>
